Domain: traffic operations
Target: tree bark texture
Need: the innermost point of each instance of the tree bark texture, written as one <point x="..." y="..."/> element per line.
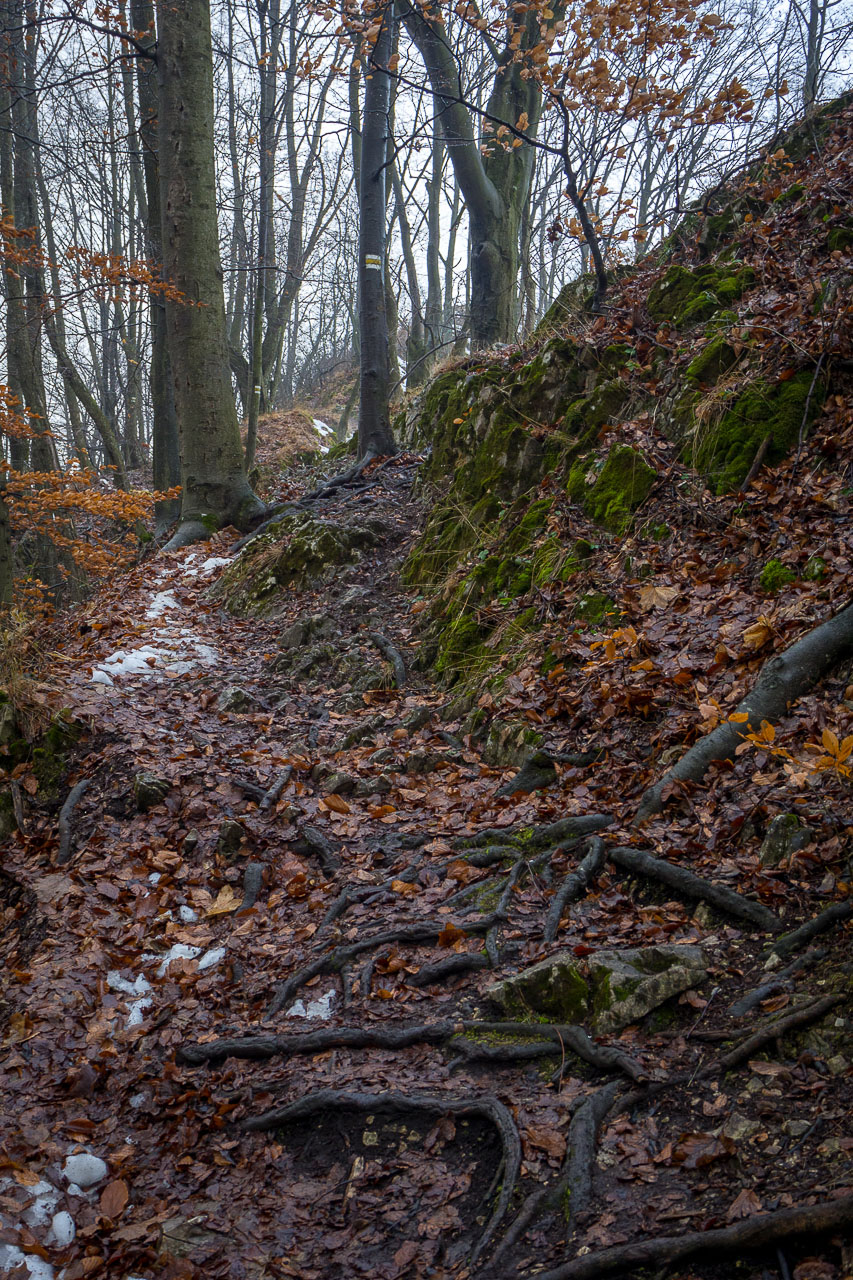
<point x="374" y="427"/>
<point x="215" y="489"/>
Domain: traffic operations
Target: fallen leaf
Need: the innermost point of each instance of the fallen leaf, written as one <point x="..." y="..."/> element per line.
<point x="744" y="1205"/>
<point x="113" y="1198"/>
<point x="550" y="1140"/>
<point x="404" y="888"/>
<point x="653" y="597"/>
<point x="450" y="934"/>
<point x="226" y="901"/>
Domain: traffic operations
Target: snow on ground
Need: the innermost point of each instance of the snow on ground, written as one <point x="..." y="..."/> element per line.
<point x="325" y="430"/>
<point x="320" y="1009"/>
<point x="171" y="647"/>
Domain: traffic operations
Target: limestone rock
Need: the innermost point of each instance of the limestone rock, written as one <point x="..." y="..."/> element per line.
<point x="554" y="988"/>
<point x="233" y="698"/>
<point x="785" y="835"/>
<point x="339" y="784"/>
<point x="149" y="790"/>
<point x="84" y="1170"/>
<point x="628" y="984"/>
<point x="609" y="990"/>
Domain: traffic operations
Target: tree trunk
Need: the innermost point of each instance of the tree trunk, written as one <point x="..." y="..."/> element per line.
<point x="165" y="452"/>
<point x="215" y="489"/>
<point x="374" y="428"/>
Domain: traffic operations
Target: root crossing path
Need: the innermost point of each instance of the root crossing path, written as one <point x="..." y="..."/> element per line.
<point x="254" y="1020"/>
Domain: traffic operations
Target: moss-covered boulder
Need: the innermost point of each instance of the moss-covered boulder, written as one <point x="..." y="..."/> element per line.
<point x="621" y="487"/>
<point x="297" y="551"/>
<point x="724" y="449"/>
<point x="684" y="297"/>
<point x="609" y="991"/>
<point x="628" y="984"/>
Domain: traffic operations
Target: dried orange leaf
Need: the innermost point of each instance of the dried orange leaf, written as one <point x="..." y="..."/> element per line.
<point x="113" y="1198"/>
<point x="404" y="888"/>
<point x="450" y="934"/>
<point x="227" y="900"/>
<point x="337" y="804"/>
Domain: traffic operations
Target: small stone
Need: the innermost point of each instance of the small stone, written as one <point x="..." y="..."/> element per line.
<point x="739" y="1126"/>
<point x="231" y="837"/>
<point x="84" y="1170"/>
<point x="385" y="755"/>
<point x="837" y="1065"/>
<point x="191" y="840"/>
<point x="63" y="1229"/>
<point x="294" y="636"/>
<point x="537" y="772"/>
<point x="796" y="1128"/>
<point x="420" y="762"/>
<point x="339" y="784"/>
<point x="416" y="719"/>
<point x="149" y="790"/>
<point x="234" y="699"/>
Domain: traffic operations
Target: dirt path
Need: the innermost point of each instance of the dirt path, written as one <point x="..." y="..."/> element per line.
<point x="291" y="880"/>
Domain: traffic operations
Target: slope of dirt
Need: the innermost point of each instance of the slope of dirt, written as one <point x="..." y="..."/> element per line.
<point x="363" y="820"/>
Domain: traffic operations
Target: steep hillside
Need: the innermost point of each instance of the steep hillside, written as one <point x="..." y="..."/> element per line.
<point x="574" y="477"/>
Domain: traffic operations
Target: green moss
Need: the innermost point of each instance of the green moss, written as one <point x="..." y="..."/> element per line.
<point x="622" y="486"/>
<point x="775" y="575"/>
<point x="684" y="297"/>
<point x="712" y="362"/>
<point x="794" y="193"/>
<point x="594" y="607"/>
<point x="588" y="414"/>
<point x="727" y="450"/>
<point x="840" y="238"/>
<point x="700" y="308"/>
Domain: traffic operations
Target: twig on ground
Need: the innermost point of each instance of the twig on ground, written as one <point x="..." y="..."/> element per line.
<point x="253" y="879"/>
<point x="66" y="816"/>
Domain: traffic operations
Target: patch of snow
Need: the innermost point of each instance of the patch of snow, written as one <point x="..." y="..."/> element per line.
<point x="139" y="987"/>
<point x="137" y="1011"/>
<point x="138" y="1100"/>
<point x="155" y="877"/>
<point x="179" y="951"/>
<point x="317" y="1009"/>
<point x="215" y="562"/>
<point x="161" y="603"/>
<point x="11" y="1257"/>
<point x="176" y="654"/>
<point x="188" y="916"/>
<point x="212" y="957"/>
<point x="84" y="1170"/>
<point x="323" y="427"/>
<point x="100" y="677"/>
<point x="64" y="1228"/>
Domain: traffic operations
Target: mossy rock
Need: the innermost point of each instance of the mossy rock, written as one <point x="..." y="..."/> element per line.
<point x="50" y="757"/>
<point x="684" y="297"/>
<point x="573" y="301"/>
<point x="510" y="742"/>
<point x="555" y="989"/>
<point x="587" y="415"/>
<point x="297" y="551"/>
<point x="595" y="608"/>
<point x="622" y="486"/>
<point x="725" y="451"/>
<point x="715" y="359"/>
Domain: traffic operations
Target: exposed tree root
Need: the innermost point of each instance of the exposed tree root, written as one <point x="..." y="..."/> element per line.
<point x="693" y="886"/>
<point x="389" y="651"/>
<point x="334" y="961"/>
<point x="66" y="817"/>
<point x="573" y="886"/>
<point x="449" y="967"/>
<point x="487" y="1107"/>
<point x="764" y="1231"/>
<point x="253" y="879"/>
<point x="273" y="793"/>
<point x="784" y="679"/>
<point x="768" y="1032"/>
<point x="791" y="942"/>
<point x="779" y="982"/>
<point x="549" y="1038"/>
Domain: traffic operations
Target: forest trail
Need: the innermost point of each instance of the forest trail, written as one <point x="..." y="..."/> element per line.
<point x="291" y="882"/>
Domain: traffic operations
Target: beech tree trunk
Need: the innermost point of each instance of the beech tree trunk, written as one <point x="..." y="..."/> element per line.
<point x="374" y="427"/>
<point x="215" y="489"/>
